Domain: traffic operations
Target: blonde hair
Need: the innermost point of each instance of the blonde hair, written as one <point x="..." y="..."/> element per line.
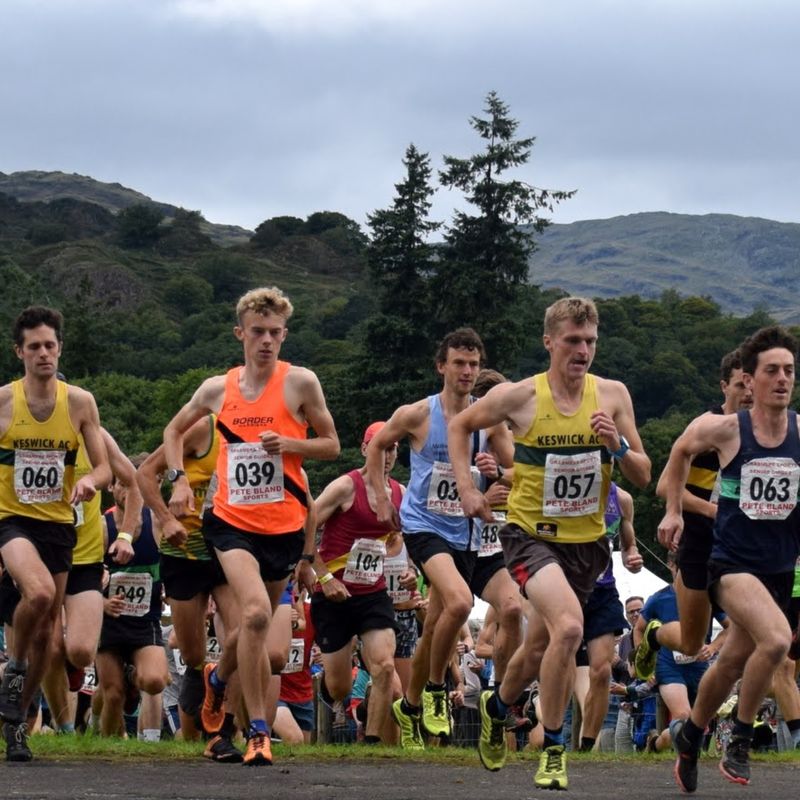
<point x="579" y="310"/>
<point x="264" y="301"/>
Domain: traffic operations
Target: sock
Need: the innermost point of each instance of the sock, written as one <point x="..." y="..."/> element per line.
<point x="67" y="727"/>
<point x="228" y="728"/>
<point x="18" y="664"/>
<point x="150" y="735"/>
<point x="258" y="727"/>
<point x="407" y="708"/>
<point x="370" y="739"/>
<point x="794" y="729"/>
<point x="693" y="734"/>
<point x="587" y="743"/>
<point x="217" y="684"/>
<point x="496" y="707"/>
<point x="553" y="738"/>
<point x="743" y="730"/>
<point x="652" y="640"/>
<point x="434" y="687"/>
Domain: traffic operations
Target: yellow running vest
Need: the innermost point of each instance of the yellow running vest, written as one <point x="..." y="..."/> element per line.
<point x="37" y="461"/>
<point x="88" y="518"/>
<point x="562" y="471"/>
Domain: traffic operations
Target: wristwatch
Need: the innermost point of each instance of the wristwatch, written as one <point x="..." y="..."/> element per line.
<point x="307" y="557"/>
<point x="623" y="448"/>
<point x="173" y="474"/>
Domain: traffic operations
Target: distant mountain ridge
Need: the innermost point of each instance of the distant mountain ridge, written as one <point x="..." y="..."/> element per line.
<point x="36" y="185"/>
<point x="739" y="262"/>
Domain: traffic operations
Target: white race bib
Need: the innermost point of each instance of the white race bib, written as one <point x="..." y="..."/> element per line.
<point x="296" y="653"/>
<point x="39" y="475"/>
<point x="682" y="658"/>
<point x="365" y="562"/>
<point x="392" y="570"/>
<point x="213" y="649"/>
<point x="89" y="680"/>
<point x="490" y="538"/>
<point x="768" y="488"/>
<point x="443" y="497"/>
<point x="79" y="516"/>
<point x="254" y="476"/>
<point x="136" y="588"/>
<point x="180" y="664"/>
<point x="572" y="484"/>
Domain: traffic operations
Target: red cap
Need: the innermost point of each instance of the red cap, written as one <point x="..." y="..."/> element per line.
<point x="371" y="431"/>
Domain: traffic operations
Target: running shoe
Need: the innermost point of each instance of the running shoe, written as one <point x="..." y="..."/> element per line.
<point x="192" y="691"/>
<point x="258" y="752"/>
<point x="212" y="712"/>
<point x="221" y="748"/>
<point x="517" y="721"/>
<point x="685" y="770"/>
<point x="735" y="764"/>
<point x="552" y="772"/>
<point x="436" y="712"/>
<point x="492" y="742"/>
<point x="645" y="661"/>
<point x="410" y="734"/>
<point x="11" y="689"/>
<point x="16" y="737"/>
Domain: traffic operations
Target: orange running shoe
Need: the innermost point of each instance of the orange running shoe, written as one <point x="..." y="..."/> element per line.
<point x="212" y="714"/>
<point x="258" y="752"/>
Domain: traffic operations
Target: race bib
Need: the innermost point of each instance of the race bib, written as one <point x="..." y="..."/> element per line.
<point x="490" y="536"/>
<point x="682" y="658"/>
<point x="443" y="497"/>
<point x="89" y="680"/>
<point x="572" y="484"/>
<point x="768" y="488"/>
<point x="294" y="663"/>
<point x="180" y="664"/>
<point x="136" y="588"/>
<point x="79" y="516"/>
<point x="213" y="649"/>
<point x="365" y="562"/>
<point x="254" y="476"/>
<point x="39" y="475"/>
<point x="392" y="570"/>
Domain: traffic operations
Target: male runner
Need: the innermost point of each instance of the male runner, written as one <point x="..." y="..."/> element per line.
<point x="569" y="428"/>
<point x="756" y="544"/>
<point x="688" y="634"/>
<point x="439" y="538"/>
<point x="41" y="420"/>
<point x="256" y="525"/>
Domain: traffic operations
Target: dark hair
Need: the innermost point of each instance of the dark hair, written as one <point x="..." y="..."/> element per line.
<point x="634" y="597"/>
<point x="730" y="362"/>
<point x="762" y="340"/>
<point x="459" y="339"/>
<point x="487" y="379"/>
<point x="34" y="316"/>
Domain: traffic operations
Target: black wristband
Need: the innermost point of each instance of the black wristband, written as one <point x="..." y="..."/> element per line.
<point x="307" y="557"/>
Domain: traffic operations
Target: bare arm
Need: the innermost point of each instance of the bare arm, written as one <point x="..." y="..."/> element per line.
<point x="631" y="557"/>
<point x="89" y="426"/>
<point x="124" y="472"/>
<point x="691" y="502"/>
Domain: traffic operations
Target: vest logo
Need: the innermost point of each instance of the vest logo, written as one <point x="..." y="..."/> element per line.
<point x="250" y="421"/>
<point x="567" y="440"/>
<point x="547" y="529"/>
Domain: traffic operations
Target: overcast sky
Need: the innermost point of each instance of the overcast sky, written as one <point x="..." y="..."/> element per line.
<point x="247" y="109"/>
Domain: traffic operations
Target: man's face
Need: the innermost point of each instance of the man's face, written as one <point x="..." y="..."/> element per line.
<point x="632" y="610"/>
<point x="572" y="348"/>
<point x="737" y="393"/>
<point x="262" y="336"/>
<point x="40" y="351"/>
<point x="773" y="380"/>
<point x="461" y="369"/>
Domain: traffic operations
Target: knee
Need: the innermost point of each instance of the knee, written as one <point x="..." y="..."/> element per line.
<point x="153" y="684"/>
<point x="81" y="654"/>
<point x="255" y="618"/>
<point x="459" y="608"/>
<point x="338" y="686"/>
<point x="600" y="673"/>
<point x="113" y="694"/>
<point x="382" y="670"/>
<point x="569" y="633"/>
<point x="775" y="646"/>
<point x="40" y="599"/>
<point x="511" y="614"/>
<point x="278" y="659"/>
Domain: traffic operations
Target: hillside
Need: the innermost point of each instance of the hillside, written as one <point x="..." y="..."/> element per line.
<point x="740" y="262"/>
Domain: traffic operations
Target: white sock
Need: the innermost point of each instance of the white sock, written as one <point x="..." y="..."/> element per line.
<point x="150" y="735"/>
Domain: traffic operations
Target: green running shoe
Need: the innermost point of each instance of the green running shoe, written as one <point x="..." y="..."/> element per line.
<point x="645" y="661"/>
<point x="552" y="772"/>
<point x="436" y="712"/>
<point x="492" y="742"/>
<point x="410" y="735"/>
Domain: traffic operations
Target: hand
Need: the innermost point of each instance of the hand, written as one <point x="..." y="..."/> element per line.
<point x="497" y="494"/>
<point x="632" y="559"/>
<point x="181" y="501"/>
<point x="606" y="429"/>
<point x="408" y="579"/>
<point x="335" y="591"/>
<point x="457" y="697"/>
<point x="474" y="504"/>
<point x="487" y="465"/>
<point x="386" y="512"/>
<point x="121" y="552"/>
<point x="174" y="532"/>
<point x="274" y="443"/>
<point x="113" y="605"/>
<point x="670" y="530"/>
<point x="304" y="576"/>
<point x="82" y="491"/>
<point x="706" y="653"/>
<point x="618" y="688"/>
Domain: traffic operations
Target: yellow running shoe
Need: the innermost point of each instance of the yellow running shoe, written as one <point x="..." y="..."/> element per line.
<point x="645" y="660"/>
<point x="436" y="712"/>
<point x="492" y="746"/>
<point x="552" y="772"/>
<point x="410" y="735"/>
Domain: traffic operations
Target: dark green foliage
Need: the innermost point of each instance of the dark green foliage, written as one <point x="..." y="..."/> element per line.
<point x="138" y="225"/>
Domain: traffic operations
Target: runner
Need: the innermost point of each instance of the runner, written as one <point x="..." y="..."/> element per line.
<point x="256" y="525"/>
<point x="569" y="428"/>
<point x="756" y="545"/>
<point x="688" y="635"/>
<point x="41" y="419"/>
<point x="350" y="598"/>
<point x="439" y="539"/>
